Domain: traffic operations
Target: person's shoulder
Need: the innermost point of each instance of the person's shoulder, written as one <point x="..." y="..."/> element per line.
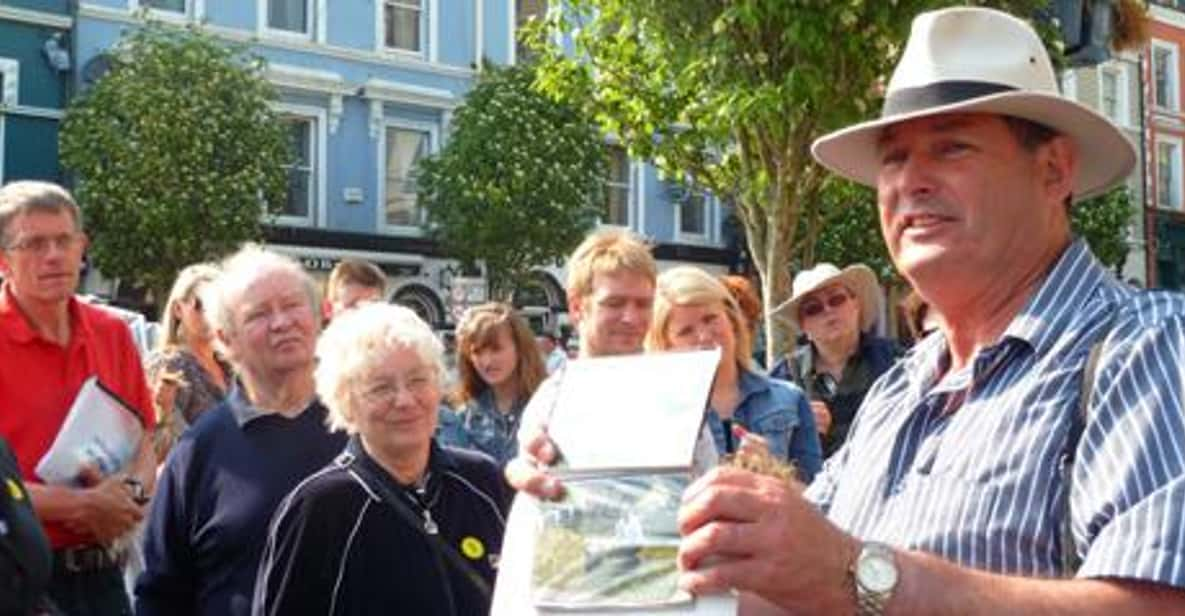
<point x="782" y="388"/>
<point x="1149" y="308"/>
<point x="330" y="494"/>
<point x="881" y="345"/>
<point x="469" y="460"/>
<point x="331" y="482"/>
<point x="211" y="425"/>
<point x="102" y="320"/>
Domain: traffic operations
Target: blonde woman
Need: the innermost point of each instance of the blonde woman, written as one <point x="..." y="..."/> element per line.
<point x="694" y="310"/>
<point x="499" y="367"/>
<point x="186" y="374"/>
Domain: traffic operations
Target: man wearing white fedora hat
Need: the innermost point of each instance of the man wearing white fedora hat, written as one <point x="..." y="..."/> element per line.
<point x="837" y="310"/>
<point x="1041" y="436"/>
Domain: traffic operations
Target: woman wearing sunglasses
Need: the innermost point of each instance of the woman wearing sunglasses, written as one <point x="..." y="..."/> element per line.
<point x="842" y="357"/>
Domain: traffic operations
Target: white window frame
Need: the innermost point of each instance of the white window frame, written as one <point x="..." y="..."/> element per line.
<point x="1122" y="92"/>
<point x="429" y="9"/>
<point x="316" y="216"/>
<point x="9" y="98"/>
<point x="1174" y="75"/>
<point x="194" y="10"/>
<point x="512" y="9"/>
<point x="315" y="9"/>
<point x="708" y="208"/>
<point x="433" y="131"/>
<point x="1178" y="167"/>
<point x="631" y="192"/>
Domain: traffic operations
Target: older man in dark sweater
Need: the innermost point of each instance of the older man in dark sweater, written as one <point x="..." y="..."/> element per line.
<point x="228" y="473"/>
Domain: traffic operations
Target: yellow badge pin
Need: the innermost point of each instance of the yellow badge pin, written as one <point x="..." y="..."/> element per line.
<point x="14" y="489"/>
<point x="472" y="548"/>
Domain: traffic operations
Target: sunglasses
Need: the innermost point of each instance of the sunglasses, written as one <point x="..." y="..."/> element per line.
<point x="813" y="307"/>
<point x="197" y="304"/>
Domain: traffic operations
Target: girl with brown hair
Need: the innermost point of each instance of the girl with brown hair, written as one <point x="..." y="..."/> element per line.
<point x="499" y="367"/>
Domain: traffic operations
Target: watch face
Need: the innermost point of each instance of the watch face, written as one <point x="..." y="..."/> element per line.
<point x="876" y="572"/>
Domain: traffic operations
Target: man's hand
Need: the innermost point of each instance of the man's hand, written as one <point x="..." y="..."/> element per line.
<point x="528" y="473"/>
<point x="822" y="416"/>
<point x="757" y="534"/>
<point x="105" y="508"/>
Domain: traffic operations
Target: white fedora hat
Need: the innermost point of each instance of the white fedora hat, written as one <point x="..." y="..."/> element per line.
<point x="858" y="279"/>
<point x="974" y="60"/>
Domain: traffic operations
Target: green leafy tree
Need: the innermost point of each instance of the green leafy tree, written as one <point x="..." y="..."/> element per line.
<point x="1105" y="222"/>
<point x="177" y="152"/>
<point x="519" y="183"/>
<point x="732" y="94"/>
<point x="842" y="226"/>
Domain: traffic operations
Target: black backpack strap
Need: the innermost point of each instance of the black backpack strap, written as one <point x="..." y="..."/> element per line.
<point x="1070" y="560"/>
<point x="444" y="552"/>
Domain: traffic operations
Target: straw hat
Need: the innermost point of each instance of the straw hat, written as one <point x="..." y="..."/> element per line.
<point x="858" y="278"/>
<point x="974" y="60"/>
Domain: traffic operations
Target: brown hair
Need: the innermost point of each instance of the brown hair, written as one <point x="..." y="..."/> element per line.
<point x="611" y="250"/>
<point x="479" y="327"/>
<point x="746" y="297"/>
<point x="21" y="197"/>
<point x="358" y="272"/>
<point x="914" y="309"/>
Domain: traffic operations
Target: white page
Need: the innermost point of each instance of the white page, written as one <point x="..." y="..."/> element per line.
<point x="610" y="410"/>
<point x="99" y="430"/>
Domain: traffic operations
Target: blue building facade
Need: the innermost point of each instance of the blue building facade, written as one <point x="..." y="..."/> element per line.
<point x="34" y="86"/>
<point x="367" y="88"/>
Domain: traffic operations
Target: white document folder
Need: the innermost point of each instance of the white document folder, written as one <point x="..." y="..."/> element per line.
<point x="100" y="430"/>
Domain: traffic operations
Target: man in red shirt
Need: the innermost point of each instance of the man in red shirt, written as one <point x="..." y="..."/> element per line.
<point x="50" y="343"/>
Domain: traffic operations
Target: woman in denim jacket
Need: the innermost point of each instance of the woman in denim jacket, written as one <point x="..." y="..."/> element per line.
<point x="499" y="367"/>
<point x="694" y="310"/>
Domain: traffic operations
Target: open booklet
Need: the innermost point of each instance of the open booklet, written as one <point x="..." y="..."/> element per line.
<point x="626" y="429"/>
<point x="101" y="430"/>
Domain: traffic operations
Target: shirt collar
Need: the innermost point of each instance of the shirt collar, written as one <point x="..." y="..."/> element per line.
<point x="1067" y="287"/>
<point x="439" y="458"/>
<point x="244" y="411"/>
<point x="14" y="323"/>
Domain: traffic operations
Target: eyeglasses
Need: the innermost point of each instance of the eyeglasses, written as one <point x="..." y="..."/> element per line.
<point x="814" y="307"/>
<point x="197" y="304"/>
<point x="384" y="392"/>
<point x="39" y="244"/>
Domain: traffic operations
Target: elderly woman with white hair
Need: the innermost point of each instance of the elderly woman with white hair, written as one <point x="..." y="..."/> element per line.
<point x="398" y="523"/>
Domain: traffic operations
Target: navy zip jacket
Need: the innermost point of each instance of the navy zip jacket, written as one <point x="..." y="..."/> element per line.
<point x="336" y="547"/>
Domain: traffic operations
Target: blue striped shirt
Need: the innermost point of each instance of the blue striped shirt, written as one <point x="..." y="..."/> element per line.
<point x="966" y="466"/>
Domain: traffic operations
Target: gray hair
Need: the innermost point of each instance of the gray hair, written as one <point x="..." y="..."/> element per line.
<point x="24" y="196"/>
<point x="242" y="269"/>
<point x="360" y="340"/>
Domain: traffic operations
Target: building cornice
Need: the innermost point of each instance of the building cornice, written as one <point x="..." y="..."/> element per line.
<point x="37" y="18"/>
<point x="307" y="79"/>
<point x="333" y="51"/>
<point x="393" y="92"/>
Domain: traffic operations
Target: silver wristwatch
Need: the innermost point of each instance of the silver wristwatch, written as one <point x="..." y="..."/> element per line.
<point x="875" y="574"/>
